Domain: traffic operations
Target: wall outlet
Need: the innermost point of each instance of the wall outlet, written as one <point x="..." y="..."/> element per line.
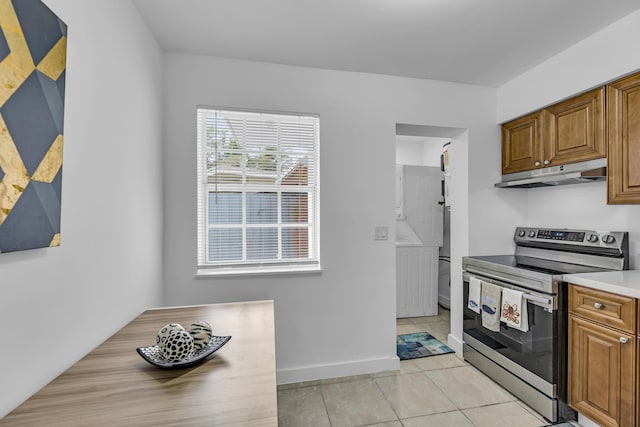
<point x="382" y="232"/>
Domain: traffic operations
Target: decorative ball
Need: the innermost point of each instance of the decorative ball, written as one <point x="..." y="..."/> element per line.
<point x="201" y="332"/>
<point x="167" y="329"/>
<point x="177" y="346"/>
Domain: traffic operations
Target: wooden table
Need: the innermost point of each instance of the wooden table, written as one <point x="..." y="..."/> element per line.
<point x="114" y="386"/>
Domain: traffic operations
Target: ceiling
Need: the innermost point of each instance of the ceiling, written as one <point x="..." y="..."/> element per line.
<point x="483" y="42"/>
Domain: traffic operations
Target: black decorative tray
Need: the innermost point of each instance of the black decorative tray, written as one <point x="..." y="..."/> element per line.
<point x="153" y="355"/>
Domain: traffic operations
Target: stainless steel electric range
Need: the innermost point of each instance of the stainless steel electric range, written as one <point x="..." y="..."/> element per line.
<point x="532" y="365"/>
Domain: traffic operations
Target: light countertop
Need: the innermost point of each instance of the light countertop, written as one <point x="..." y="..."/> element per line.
<point x="618" y="282"/>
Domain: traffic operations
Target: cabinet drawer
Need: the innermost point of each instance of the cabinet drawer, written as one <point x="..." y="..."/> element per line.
<point x="610" y="309"/>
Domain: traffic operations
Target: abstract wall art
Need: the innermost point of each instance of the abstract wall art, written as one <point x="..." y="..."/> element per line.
<point x="33" y="46"/>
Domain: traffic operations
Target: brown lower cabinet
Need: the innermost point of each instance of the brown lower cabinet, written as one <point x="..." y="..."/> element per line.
<point x="602" y="361"/>
<point x="602" y="373"/>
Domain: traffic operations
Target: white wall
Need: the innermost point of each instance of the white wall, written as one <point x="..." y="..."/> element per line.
<point x="419" y="150"/>
<point x="341" y="322"/>
<point x="59" y="303"/>
<point x="409" y="150"/>
<point x="602" y="57"/>
<point x="585" y="206"/>
<point x="431" y="151"/>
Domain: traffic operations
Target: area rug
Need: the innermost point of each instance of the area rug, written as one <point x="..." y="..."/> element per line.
<point x="420" y="344"/>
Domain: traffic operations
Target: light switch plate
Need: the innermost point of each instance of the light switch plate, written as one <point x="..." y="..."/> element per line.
<point x="382" y="232"/>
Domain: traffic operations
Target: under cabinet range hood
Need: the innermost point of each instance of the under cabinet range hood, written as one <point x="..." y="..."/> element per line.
<point x="573" y="173"/>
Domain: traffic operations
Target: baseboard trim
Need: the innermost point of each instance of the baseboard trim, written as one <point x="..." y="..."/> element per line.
<point x="335" y="370"/>
<point x="444" y="301"/>
<point x="585" y="422"/>
<point x="455" y="344"/>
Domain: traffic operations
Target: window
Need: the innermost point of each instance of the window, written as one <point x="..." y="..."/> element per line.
<point x="257" y="191"/>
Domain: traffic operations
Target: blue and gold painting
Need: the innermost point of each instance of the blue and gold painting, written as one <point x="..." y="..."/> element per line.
<point x="33" y="46"/>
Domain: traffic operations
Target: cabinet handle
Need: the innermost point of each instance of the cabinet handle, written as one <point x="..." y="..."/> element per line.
<point x="546" y="162"/>
<point x="624" y="340"/>
<point x="537" y="164"/>
<point x="597" y="305"/>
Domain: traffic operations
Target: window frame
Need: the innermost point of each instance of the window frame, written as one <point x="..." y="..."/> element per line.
<point x="309" y="264"/>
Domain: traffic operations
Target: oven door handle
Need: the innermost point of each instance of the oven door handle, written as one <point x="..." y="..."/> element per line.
<point x="535" y="298"/>
<point x="513" y="281"/>
<point x="548" y="303"/>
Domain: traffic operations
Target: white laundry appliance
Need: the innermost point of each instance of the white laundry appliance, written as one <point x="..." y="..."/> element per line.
<point x="419" y="236"/>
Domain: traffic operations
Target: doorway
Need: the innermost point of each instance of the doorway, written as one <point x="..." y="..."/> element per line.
<point x="458" y="218"/>
<point x="422" y="281"/>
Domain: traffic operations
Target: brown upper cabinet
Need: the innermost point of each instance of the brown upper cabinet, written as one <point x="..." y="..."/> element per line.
<point x="567" y="132"/>
<point x="574" y="129"/>
<point x="522" y="143"/>
<point x="623" y="163"/>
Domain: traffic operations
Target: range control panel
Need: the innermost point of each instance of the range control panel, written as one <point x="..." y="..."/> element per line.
<point x="572" y="236"/>
<point x="593" y="238"/>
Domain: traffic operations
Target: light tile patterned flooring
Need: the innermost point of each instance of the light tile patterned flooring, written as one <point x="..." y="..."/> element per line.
<point x="436" y="391"/>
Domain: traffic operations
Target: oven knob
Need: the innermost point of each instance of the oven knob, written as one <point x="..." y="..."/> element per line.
<point x="592" y="238"/>
<point x="532" y="233"/>
<point x="521" y="233"/>
<point x="608" y="239"/>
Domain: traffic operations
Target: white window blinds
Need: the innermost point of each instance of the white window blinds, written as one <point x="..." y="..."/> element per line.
<point x="258" y="202"/>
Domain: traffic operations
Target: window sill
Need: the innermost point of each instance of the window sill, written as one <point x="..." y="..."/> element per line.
<point x="257" y="271"/>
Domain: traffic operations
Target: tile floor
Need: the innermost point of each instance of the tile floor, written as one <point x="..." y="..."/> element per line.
<point x="436" y="391"/>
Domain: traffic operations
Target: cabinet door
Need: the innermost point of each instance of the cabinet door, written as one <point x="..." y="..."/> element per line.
<point x="522" y="144"/>
<point x="623" y="171"/>
<point x="416" y="281"/>
<point x="575" y="129"/>
<point x="601" y="373"/>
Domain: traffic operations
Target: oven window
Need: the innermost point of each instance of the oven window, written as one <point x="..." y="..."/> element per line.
<point x="535" y="350"/>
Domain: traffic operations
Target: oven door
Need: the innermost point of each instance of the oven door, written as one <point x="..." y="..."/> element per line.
<point x="533" y="355"/>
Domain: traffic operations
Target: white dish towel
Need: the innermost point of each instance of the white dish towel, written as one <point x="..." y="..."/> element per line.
<point x="514" y="310"/>
<point x="474" y="294"/>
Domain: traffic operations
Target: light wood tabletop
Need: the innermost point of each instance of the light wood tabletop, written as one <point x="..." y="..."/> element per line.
<point x="114" y="386"/>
